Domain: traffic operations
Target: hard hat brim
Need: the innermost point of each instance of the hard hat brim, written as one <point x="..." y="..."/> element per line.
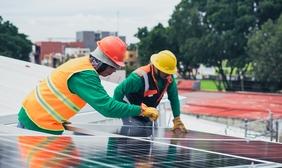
<point x="97" y="53"/>
<point x="121" y="64"/>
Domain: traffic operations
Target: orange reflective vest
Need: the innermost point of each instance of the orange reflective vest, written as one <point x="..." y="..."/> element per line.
<point x="151" y="95"/>
<point x="53" y="151"/>
<point x="51" y="103"/>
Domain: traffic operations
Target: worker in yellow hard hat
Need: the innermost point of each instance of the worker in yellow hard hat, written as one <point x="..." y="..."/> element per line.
<point x="73" y="84"/>
<point x="148" y="84"/>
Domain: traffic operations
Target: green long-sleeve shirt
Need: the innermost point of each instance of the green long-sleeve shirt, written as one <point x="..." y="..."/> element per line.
<point x="134" y="83"/>
<point x="87" y="85"/>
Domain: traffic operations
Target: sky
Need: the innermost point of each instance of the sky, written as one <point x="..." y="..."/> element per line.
<point x="59" y="20"/>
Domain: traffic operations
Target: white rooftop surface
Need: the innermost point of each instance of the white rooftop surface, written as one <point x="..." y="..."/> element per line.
<point x="17" y="80"/>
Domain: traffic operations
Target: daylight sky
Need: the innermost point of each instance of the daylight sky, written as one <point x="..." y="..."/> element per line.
<point x="60" y="19"/>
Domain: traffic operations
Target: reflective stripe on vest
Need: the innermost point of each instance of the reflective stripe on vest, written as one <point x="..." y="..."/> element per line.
<point x="61" y="96"/>
<point x="126" y="100"/>
<point x="52" y="103"/>
<point x="47" y="107"/>
<point x="143" y="71"/>
<point x="146" y="81"/>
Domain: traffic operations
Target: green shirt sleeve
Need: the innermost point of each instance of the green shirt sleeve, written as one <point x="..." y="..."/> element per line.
<point x="172" y="94"/>
<point x="87" y="85"/>
<point x="132" y="84"/>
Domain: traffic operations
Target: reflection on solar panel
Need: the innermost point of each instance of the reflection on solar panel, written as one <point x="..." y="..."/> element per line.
<point x="54" y="151"/>
<point x="102" y="149"/>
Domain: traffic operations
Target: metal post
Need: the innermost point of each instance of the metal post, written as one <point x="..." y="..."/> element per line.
<point x="246" y="128"/>
<point x="271" y="124"/>
<point x="277" y="131"/>
<point x="242" y="81"/>
<point x="162" y="117"/>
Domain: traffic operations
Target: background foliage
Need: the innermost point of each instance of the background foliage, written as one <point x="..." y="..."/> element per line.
<point x="223" y="34"/>
<point x="12" y="43"/>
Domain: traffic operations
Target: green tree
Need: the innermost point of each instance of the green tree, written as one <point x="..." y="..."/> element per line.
<point x="152" y="42"/>
<point x="210" y="32"/>
<point x="12" y="43"/>
<point x="215" y="32"/>
<point x="186" y="31"/>
<point x="228" y="23"/>
<point x="265" y="49"/>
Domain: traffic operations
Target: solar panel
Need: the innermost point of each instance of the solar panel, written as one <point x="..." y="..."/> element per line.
<point x="99" y="151"/>
<point x="117" y="146"/>
<point x="252" y="149"/>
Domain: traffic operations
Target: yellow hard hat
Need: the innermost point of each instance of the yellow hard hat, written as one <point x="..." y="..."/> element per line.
<point x="165" y="61"/>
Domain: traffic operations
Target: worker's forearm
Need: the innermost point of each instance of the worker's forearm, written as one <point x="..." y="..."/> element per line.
<point x="119" y="93"/>
<point x="132" y="84"/>
<point x="87" y="86"/>
<point x="173" y="98"/>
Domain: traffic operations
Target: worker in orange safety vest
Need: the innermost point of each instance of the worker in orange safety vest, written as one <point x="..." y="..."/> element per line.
<point x="73" y="84"/>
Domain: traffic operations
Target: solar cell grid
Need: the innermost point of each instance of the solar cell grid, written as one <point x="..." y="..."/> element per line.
<point x="242" y="148"/>
<point x="87" y="151"/>
<point x="116" y="146"/>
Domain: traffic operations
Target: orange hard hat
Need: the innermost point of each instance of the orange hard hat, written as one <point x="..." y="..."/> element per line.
<point x="114" y="48"/>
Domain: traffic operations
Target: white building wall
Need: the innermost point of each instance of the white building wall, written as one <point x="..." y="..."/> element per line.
<point x="76" y="51"/>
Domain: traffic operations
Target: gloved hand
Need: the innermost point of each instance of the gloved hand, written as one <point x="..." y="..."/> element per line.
<point x="178" y="126"/>
<point x="150" y="112"/>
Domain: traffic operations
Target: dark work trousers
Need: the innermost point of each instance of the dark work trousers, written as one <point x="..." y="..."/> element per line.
<point x="20" y="125"/>
<point x="138" y="121"/>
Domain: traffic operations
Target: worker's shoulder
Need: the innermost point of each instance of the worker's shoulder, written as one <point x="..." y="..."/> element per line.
<point x="89" y="75"/>
<point x="134" y="75"/>
<point x="134" y="78"/>
<point x="139" y="72"/>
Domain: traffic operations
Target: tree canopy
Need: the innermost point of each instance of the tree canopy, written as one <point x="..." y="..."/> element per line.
<point x="152" y="42"/>
<point x="265" y="49"/>
<point x="12" y="43"/>
<point x="210" y="32"/>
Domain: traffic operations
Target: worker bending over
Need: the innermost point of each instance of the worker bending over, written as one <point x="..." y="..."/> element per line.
<point x="147" y="85"/>
<point x="73" y="84"/>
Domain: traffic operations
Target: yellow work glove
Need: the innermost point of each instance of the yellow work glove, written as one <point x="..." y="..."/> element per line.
<point x="178" y="126"/>
<point x="150" y="112"/>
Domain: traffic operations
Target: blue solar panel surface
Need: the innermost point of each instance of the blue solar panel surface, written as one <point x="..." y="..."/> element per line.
<point x="91" y="151"/>
<point x="115" y="146"/>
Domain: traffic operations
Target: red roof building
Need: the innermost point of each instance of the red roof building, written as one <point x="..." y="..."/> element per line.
<point x="45" y="48"/>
